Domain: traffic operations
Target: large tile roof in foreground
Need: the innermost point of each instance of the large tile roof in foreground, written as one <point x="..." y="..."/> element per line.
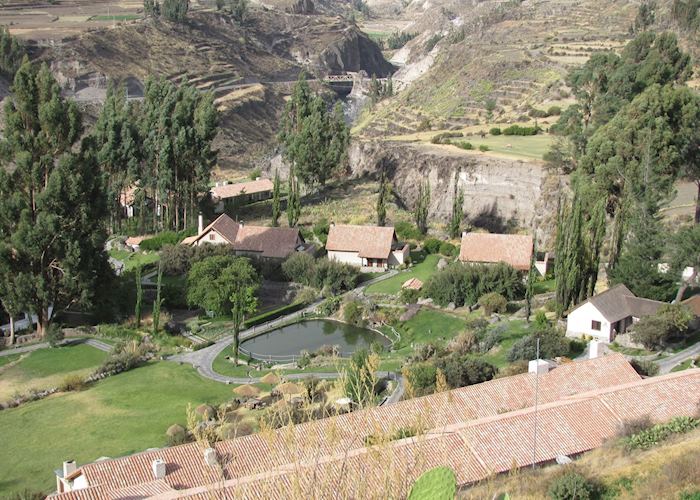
<point x="477" y="430"/>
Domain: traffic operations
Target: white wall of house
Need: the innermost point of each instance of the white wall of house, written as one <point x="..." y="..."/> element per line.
<point x="352" y="258"/>
<point x="580" y="322"/>
<point x="398" y="257"/>
<point x="212" y="237"/>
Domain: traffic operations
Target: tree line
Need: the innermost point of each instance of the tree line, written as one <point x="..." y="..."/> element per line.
<point x="630" y="136"/>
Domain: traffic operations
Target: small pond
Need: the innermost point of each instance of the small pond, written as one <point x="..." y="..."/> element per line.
<point x="309" y="336"/>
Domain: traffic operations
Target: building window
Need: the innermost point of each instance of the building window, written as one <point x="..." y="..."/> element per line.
<point x="211" y="236"/>
<point x="595" y="325"/>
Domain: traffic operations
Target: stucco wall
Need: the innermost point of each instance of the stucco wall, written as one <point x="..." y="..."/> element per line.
<point x="218" y="239"/>
<point x="351" y="258"/>
<point x="579" y="323"/>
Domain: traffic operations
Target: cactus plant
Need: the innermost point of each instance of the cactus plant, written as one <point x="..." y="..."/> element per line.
<point x="439" y="483"/>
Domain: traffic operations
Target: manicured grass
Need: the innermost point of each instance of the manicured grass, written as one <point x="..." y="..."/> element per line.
<point x="533" y="146"/>
<point x="46" y="368"/>
<point x="630" y="351"/>
<point x="514" y="330"/>
<point x="117" y="416"/>
<point x="683" y="366"/>
<point x="429" y="326"/>
<point x="4" y="360"/>
<point x="545" y="286"/>
<point x="422" y="271"/>
<point x="117" y="17"/>
<point x="133" y="259"/>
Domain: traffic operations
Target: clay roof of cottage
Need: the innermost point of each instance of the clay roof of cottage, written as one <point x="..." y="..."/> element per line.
<point x="277" y="242"/>
<point x="513" y="249"/>
<point x="693" y="303"/>
<point x="477" y="431"/>
<point x="233" y="190"/>
<point x="257" y="454"/>
<point x="370" y="242"/>
<point x="619" y="302"/>
<point x="413" y="284"/>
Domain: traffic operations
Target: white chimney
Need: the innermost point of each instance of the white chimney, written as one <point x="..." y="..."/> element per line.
<point x="210" y="457"/>
<point x="593" y="349"/>
<point x="538" y="366"/>
<point x="158" y="466"/>
<point x="69" y="467"/>
<point x="200" y="224"/>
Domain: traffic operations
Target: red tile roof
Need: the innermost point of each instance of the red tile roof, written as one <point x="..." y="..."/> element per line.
<point x="276" y="242"/>
<point x="693" y="303"/>
<point x="370" y="242"/>
<point x="413" y="284"/>
<point x="258" y="454"/>
<point x="233" y="190"/>
<point x="513" y="249"/>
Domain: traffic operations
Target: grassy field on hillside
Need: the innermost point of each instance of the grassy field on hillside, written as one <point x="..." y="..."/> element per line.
<point x="422" y="271"/>
<point x="120" y="415"/>
<point x="429" y="326"/>
<point x="528" y="147"/>
<point x="46" y="368"/>
<point x="133" y="259"/>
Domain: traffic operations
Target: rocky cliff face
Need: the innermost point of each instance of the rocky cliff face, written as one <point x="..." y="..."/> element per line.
<point x="354" y="51"/>
<point x="500" y="194"/>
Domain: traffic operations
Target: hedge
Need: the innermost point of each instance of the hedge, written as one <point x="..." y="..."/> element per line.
<point x="274" y="314"/>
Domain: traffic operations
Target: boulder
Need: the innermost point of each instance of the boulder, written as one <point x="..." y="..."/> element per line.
<point x="425" y="302"/>
<point x="451" y="306"/>
<point x="442" y="264"/>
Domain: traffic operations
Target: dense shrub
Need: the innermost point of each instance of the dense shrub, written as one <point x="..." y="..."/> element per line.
<point x="464" y="343"/>
<point x="124" y="357"/>
<point x="397" y="40"/>
<point x="464" y="145"/>
<point x="409" y="295"/>
<point x="518" y="130"/>
<point x="274" y="314"/>
<point x="483" y="147"/>
<point x="461" y="370"/>
<point x="176" y="259"/>
<point x="669" y="322"/>
<point x="554" y="111"/>
<point x="538" y="113"/>
<point x="464" y="284"/>
<point x="448" y="249"/>
<point x="72" y="382"/>
<point x="322" y="274"/>
<point x="432" y="42"/>
<point x="421" y="377"/>
<point x="353" y="313"/>
<point x="176" y="435"/>
<point x="654" y="435"/>
<point x="645" y="367"/>
<point x="444" y="138"/>
<point x="493" y="302"/>
<point x="329" y="306"/>
<point x="553" y="343"/>
<point x="54" y="335"/>
<point x="432" y="245"/>
<point x="321" y="229"/>
<point x="175" y="294"/>
<point x="166" y="238"/>
<point x="571" y="485"/>
<point x="407" y="231"/>
<point x="634" y="426"/>
<point x="495" y="131"/>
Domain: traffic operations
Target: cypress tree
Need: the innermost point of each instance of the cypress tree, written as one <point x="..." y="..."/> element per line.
<point x="530" y="286"/>
<point x="139" y="297"/>
<point x="293" y="200"/>
<point x="457" y="213"/>
<point x="384" y="191"/>
<point x="276" y="202"/>
<point x="420" y="214"/>
<point x="159" y="301"/>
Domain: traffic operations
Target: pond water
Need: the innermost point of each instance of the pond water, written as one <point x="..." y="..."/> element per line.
<point x="311" y="335"/>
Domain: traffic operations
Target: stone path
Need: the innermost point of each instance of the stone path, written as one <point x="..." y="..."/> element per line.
<point x="97" y="344"/>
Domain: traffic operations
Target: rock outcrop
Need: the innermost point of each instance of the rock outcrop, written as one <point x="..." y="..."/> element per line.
<point x="500" y="194"/>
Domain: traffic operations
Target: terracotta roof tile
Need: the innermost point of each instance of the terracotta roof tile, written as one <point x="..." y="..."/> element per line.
<point x="513" y="249"/>
<point x="371" y="242"/>
<point x="693" y="303"/>
<point x="251" y="187"/>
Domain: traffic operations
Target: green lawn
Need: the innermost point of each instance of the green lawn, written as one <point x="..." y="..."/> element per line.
<point x="682" y="366"/>
<point x="117" y="416"/>
<point x="133" y="259"/>
<point x="545" y="286"/>
<point x="429" y="326"/>
<point x="46" y="368"/>
<point x="4" y="360"/>
<point x="117" y="17"/>
<point x="422" y="271"/>
<point x="533" y="146"/>
<point x="514" y="331"/>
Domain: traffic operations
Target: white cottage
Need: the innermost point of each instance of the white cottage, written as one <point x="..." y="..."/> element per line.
<point x="609" y="313"/>
<point x="366" y="246"/>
